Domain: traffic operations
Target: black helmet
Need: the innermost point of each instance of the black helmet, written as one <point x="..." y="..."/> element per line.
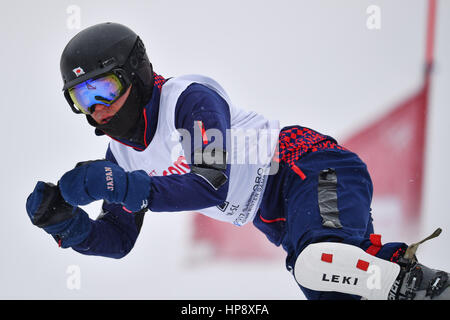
<point x="109" y="48"/>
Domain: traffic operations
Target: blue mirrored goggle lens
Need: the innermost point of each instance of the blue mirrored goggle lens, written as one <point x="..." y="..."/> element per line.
<point x="104" y="90"/>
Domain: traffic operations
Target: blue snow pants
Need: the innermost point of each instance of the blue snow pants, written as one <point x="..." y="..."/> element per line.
<point x="327" y="198"/>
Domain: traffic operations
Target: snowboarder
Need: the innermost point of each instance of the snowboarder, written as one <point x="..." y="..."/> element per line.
<point x="173" y="148"/>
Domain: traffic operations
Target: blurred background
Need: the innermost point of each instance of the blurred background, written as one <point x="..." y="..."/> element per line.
<point x="334" y="66"/>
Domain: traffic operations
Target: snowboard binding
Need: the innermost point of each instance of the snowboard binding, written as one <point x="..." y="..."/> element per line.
<point x="418" y="282"/>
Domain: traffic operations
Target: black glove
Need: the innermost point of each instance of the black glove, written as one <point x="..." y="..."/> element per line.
<point x="47" y="209"/>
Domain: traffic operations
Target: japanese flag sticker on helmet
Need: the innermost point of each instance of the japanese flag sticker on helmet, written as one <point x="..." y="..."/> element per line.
<point x="78" y="71"/>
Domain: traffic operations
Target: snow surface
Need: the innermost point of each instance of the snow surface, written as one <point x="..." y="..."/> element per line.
<point x="312" y="63"/>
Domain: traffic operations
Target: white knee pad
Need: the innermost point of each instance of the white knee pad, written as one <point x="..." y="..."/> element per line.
<point x="329" y="266"/>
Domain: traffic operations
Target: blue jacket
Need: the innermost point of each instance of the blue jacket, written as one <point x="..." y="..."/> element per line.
<point x="116" y="230"/>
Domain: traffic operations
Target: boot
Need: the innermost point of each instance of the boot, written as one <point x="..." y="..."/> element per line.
<point x="418" y="282"/>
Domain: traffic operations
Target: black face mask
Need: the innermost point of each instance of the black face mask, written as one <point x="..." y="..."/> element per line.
<point x="125" y="122"/>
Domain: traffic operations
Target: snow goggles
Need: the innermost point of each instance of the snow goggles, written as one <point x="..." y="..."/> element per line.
<point x="104" y="90"/>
